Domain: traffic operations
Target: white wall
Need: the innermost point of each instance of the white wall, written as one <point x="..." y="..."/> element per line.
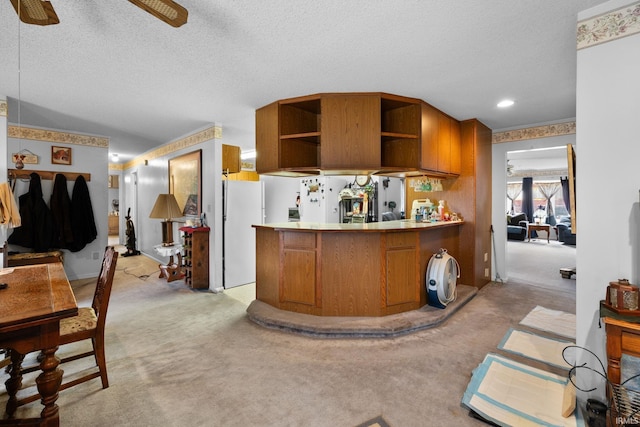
<point x="153" y="179"/>
<point x="93" y="160"/>
<point x="279" y="194"/>
<point x="608" y="177"/>
<point x="499" y="190"/>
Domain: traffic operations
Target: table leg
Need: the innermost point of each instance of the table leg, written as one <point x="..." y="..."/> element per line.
<point x="14" y="382"/>
<point x="48" y="383"/>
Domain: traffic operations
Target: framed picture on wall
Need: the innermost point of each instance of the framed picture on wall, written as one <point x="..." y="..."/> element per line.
<point x="60" y="155"/>
<point x="185" y="182"/>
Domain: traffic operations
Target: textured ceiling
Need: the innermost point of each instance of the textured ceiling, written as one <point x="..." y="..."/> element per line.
<point x="112" y="69"/>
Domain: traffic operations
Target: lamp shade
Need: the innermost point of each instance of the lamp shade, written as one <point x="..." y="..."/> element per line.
<point x="166" y="207"/>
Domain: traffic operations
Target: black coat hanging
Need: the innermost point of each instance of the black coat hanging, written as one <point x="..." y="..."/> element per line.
<point x="82" y="219"/>
<point x="60" y="205"/>
<point x="37" y="229"/>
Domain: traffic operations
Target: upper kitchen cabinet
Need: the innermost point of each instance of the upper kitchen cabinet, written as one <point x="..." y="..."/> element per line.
<point x="440" y="142"/>
<point x="350" y="133"/>
<point x="400" y="133"/>
<point x="288" y="137"/>
<point x="356" y="133"/>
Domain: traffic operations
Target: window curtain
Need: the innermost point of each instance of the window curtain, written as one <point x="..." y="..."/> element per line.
<point x="527" y="197"/>
<point x="513" y="191"/>
<point x="564" y="182"/>
<point x="548" y="190"/>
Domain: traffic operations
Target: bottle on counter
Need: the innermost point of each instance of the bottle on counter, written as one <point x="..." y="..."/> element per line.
<point x="441" y="209"/>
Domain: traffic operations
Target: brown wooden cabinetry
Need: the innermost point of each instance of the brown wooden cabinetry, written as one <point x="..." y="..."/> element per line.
<point x="400" y="133"/>
<point x="350" y="132"/>
<point x="299" y="269"/>
<point x="401" y="268"/>
<point x="196" y="256"/>
<point x="356" y="133"/>
<point x="430" y="126"/>
<point x="339" y="270"/>
<point x="623" y="338"/>
<point x="230" y="159"/>
<point x="288" y="136"/>
<point x="440" y="142"/>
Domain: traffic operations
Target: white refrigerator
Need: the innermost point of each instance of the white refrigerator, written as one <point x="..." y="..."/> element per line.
<point x="320" y="197"/>
<point x="242" y="207"/>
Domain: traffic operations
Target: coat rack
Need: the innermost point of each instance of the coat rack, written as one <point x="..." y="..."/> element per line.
<point x="50" y="175"/>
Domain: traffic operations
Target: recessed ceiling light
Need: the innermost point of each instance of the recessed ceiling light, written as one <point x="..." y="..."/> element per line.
<point x="505" y="103"/>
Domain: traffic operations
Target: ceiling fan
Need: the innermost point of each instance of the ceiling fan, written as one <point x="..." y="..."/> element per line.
<point x="41" y="12"/>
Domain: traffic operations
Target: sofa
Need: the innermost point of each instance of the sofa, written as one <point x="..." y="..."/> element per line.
<point x="564" y="231"/>
<point x="517" y="226"/>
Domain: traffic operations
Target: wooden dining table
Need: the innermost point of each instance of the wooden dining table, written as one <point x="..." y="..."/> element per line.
<point x="36" y="298"/>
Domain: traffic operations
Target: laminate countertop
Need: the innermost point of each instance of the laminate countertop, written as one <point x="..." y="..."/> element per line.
<point x="384" y="226"/>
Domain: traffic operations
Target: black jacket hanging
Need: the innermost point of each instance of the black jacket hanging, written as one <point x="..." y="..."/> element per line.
<point x="60" y="205"/>
<point x="82" y="219"/>
<point x="37" y="229"/>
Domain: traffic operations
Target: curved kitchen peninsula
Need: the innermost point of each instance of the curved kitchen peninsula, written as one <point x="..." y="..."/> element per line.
<point x="370" y="269"/>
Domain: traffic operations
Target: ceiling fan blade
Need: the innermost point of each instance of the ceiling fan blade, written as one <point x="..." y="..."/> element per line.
<point x="167" y="10"/>
<point x="38" y="12"/>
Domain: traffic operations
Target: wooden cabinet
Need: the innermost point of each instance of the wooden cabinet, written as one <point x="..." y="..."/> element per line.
<point x="299" y="269"/>
<point x="230" y="159"/>
<point x="354" y="133"/>
<point x="196" y="256"/>
<point x="401" y="268"/>
<point x="288" y="137"/>
<point x="339" y="270"/>
<point x="440" y="142"/>
<point x="350" y="129"/>
<point x="623" y="338"/>
<point x="430" y="126"/>
<point x="400" y="133"/>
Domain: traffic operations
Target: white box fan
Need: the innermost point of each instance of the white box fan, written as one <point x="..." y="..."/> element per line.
<point x="442" y="272"/>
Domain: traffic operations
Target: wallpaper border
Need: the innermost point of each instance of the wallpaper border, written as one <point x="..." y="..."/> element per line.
<point x="48" y="135"/>
<point x="535" y="132"/>
<point x="608" y="26"/>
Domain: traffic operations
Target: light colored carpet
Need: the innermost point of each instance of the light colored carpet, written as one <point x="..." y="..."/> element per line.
<point x="539" y="263"/>
<point x="178" y="357"/>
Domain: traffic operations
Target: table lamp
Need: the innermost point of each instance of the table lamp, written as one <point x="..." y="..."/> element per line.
<point x="166" y="208"/>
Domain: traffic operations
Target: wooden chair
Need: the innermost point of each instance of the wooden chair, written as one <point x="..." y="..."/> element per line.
<point x="88" y="324"/>
<point x="6" y="359"/>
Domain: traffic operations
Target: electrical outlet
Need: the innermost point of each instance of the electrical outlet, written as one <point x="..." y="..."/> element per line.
<point x="95" y="255"/>
<point x="486" y="272"/>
